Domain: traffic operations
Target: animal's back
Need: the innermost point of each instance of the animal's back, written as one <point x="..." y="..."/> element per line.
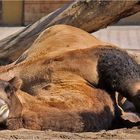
<point x="59" y="39"/>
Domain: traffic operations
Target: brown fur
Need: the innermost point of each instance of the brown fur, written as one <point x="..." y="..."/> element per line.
<point x="60" y="48"/>
<point x="56" y="93"/>
<point x="59" y="78"/>
<point x="77" y="107"/>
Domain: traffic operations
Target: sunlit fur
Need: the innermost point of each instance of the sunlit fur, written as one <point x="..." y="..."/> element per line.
<point x="59" y="73"/>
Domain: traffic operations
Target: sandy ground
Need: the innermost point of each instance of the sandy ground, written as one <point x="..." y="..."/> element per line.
<point x="7" y="31"/>
<point x="24" y="134"/>
<point x="123" y="36"/>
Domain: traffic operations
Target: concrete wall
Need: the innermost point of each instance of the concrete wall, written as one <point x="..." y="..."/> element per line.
<point x="12" y="12"/>
<point x="131" y="20"/>
<point x="35" y="9"/>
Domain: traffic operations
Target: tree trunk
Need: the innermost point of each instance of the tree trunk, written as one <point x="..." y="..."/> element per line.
<point x="90" y="15"/>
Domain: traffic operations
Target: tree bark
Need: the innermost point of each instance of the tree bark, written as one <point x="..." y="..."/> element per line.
<point x="90" y="15"/>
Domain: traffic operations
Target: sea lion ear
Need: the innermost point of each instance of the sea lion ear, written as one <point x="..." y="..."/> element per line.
<point x="16" y="82"/>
